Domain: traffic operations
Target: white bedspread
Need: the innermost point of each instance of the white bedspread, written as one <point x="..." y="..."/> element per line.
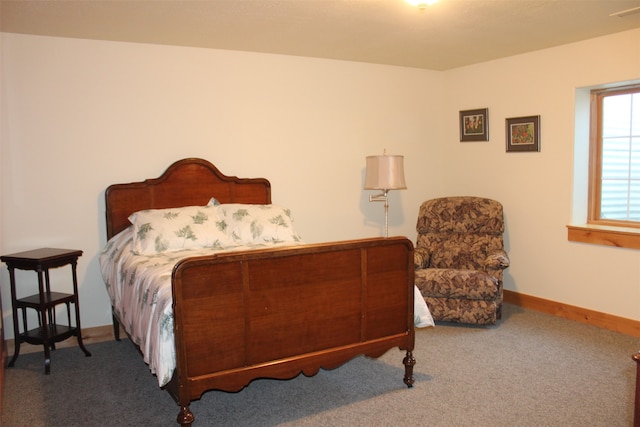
<point x="139" y="287"/>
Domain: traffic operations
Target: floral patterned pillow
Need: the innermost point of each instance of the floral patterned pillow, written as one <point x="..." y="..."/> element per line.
<point x="174" y="229"/>
<point x="250" y="224"/>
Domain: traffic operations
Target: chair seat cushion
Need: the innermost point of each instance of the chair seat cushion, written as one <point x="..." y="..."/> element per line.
<point x="461" y="284"/>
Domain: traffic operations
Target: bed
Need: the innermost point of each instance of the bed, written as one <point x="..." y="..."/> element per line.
<point x="271" y="309"/>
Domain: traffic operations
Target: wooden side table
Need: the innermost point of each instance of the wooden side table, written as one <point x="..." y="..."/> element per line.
<point x="44" y="302"/>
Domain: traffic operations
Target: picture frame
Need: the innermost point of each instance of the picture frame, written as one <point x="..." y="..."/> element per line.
<point x="474" y="125"/>
<point x="523" y="134"/>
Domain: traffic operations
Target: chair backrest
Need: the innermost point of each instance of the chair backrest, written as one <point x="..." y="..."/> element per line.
<point x="459" y="232"/>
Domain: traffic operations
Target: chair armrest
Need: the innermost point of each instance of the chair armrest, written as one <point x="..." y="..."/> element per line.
<point x="498" y="260"/>
<point x="421" y="258"/>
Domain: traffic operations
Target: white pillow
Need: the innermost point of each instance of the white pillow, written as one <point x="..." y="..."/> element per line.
<point x="249" y="224"/>
<point x="173" y="229"/>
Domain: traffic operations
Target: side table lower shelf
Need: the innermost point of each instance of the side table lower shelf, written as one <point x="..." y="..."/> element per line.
<point x="48" y="332"/>
<point x="57" y="333"/>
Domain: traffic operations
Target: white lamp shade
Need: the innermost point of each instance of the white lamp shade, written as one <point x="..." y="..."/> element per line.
<point x="385" y="173"/>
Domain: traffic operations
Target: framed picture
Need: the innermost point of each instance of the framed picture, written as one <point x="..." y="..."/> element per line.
<point x="523" y="134"/>
<point x="474" y="125"/>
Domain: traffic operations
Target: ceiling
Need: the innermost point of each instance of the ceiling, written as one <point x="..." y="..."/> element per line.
<point x="448" y="34"/>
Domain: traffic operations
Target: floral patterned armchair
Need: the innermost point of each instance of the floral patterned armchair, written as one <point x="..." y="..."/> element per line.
<point x="460" y="257"/>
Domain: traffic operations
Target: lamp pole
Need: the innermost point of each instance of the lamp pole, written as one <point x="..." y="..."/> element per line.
<point x="383" y="197"/>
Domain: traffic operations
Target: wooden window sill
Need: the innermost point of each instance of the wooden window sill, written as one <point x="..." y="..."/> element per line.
<point x="622" y="237"/>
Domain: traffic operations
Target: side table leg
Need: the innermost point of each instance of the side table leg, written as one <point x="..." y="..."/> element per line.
<point x="46" y="320"/>
<point x="51" y="313"/>
<point x="636" y="410"/>
<point x="16" y="329"/>
<point x="47" y="359"/>
<point x="16" y="352"/>
<point x="77" y="307"/>
<point x="81" y="345"/>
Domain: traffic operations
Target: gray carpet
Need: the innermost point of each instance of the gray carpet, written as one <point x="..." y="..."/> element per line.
<point x="530" y="370"/>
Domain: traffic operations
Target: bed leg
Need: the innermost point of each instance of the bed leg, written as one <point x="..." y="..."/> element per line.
<point x="116" y="326"/>
<point x="409" y="361"/>
<point x="185" y="416"/>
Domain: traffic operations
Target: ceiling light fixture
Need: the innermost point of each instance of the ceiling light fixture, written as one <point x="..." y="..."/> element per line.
<point x="421" y="4"/>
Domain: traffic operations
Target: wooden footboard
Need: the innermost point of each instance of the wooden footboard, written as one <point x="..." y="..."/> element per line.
<point x="278" y="313"/>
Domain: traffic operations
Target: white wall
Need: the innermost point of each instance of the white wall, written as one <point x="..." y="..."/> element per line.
<point x="78" y="115"/>
<point x="536" y="188"/>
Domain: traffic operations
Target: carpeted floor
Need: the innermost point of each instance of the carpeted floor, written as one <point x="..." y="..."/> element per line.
<point x="530" y="370"/>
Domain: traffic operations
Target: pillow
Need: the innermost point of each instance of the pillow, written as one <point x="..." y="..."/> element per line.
<point x="173" y="229"/>
<point x="249" y="224"/>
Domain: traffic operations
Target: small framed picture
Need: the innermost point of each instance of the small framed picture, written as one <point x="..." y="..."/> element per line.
<point x="474" y="125"/>
<point x="523" y="134"/>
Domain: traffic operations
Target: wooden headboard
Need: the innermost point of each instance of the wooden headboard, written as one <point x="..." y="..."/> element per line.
<point x="187" y="182"/>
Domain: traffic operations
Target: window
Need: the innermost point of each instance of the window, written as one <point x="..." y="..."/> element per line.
<point x="612" y="200"/>
<point x="614" y="178"/>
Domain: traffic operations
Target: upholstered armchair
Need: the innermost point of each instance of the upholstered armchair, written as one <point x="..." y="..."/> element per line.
<point x="460" y="258"/>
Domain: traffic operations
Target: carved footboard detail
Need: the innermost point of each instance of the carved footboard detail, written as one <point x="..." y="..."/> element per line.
<point x="278" y="313"/>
